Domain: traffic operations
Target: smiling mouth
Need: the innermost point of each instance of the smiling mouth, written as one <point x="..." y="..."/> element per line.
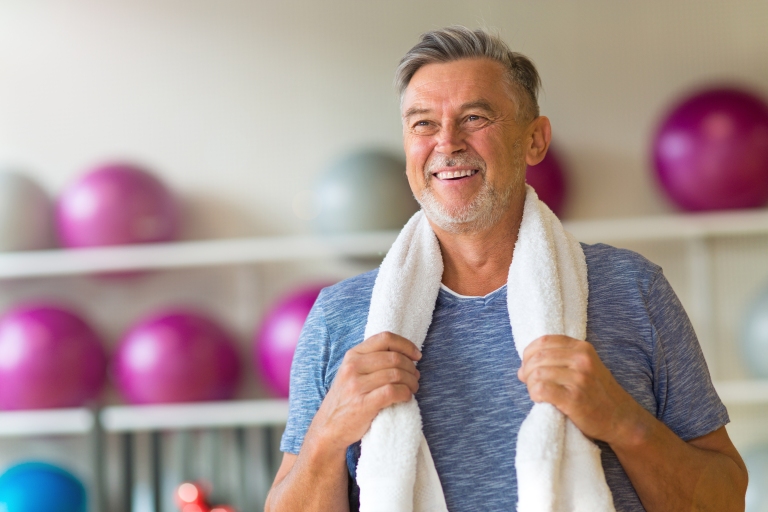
<point x="455" y="175"/>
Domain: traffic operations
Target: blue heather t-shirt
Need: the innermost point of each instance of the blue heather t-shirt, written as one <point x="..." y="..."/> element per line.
<point x="471" y="401"/>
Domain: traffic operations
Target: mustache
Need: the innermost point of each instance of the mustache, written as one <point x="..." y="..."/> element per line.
<point x="464" y="160"/>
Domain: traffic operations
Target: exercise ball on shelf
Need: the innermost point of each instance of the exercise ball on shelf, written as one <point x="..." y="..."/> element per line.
<point x="41" y="487"/>
<point x="754" y="336"/>
<point x="116" y="204"/>
<point x="177" y="355"/>
<point x="548" y="180"/>
<point x="711" y="151"/>
<point x="276" y="339"/>
<point x="26" y="213"/>
<point x="49" y="358"/>
<point x="366" y="190"/>
<point x="756" y="459"/>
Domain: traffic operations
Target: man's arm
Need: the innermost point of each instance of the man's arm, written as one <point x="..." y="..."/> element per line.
<point x="311" y="480"/>
<point x="705" y="473"/>
<point x="373" y="375"/>
<point x="668" y="473"/>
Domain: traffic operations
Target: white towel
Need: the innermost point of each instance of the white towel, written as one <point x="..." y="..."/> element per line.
<point x="558" y="468"/>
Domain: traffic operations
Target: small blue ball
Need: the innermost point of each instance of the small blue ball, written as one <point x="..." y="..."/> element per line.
<point x="40" y="487"/>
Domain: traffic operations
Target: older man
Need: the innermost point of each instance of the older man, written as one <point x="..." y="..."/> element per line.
<point x="639" y="385"/>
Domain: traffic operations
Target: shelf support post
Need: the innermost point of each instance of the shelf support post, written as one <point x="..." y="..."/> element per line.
<point x="701" y="287"/>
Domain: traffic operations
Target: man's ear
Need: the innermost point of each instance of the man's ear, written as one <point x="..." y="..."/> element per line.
<point x="540" y="135"/>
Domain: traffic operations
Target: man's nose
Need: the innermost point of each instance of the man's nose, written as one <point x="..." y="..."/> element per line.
<point x="450" y="139"/>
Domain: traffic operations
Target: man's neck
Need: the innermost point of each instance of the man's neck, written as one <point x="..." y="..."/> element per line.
<point x="475" y="264"/>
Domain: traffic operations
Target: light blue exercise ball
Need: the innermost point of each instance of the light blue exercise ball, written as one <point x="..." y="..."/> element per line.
<point x="754" y="336"/>
<point x="756" y="459"/>
<point x="26" y="213"/>
<point x="41" y="487"/>
<point x="365" y="190"/>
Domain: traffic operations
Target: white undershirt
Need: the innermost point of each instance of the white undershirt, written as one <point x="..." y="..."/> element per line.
<point x="470" y="296"/>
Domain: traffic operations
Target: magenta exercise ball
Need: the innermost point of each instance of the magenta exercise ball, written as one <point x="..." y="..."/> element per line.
<point x="711" y="151"/>
<point x="116" y="204"/>
<point x="276" y="339"/>
<point x="49" y="358"/>
<point x="548" y="180"/>
<point x="176" y="356"/>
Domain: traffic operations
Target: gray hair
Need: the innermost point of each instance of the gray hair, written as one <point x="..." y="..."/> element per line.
<point x="458" y="42"/>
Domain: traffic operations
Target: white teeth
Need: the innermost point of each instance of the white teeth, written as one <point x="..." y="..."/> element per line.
<point x="446" y="175"/>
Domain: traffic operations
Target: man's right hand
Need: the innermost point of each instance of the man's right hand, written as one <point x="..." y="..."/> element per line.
<point x="375" y="374"/>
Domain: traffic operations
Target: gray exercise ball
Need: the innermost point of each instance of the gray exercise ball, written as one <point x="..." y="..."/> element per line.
<point x="754" y="336"/>
<point x="26" y="213"/>
<point x="756" y="459"/>
<point x="365" y="190"/>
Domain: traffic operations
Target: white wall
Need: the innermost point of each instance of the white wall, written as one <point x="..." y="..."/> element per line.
<point x="240" y="104"/>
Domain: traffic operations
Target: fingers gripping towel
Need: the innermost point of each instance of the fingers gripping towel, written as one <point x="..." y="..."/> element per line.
<point x="558" y="469"/>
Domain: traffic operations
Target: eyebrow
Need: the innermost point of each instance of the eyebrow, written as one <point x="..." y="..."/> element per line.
<point x="414" y="111"/>
<point x="481" y="104"/>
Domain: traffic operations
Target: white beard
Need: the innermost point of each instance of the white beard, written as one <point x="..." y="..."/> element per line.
<point x="485" y="210"/>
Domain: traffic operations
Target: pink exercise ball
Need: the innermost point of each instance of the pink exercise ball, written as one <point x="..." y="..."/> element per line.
<point x="116" y="204"/>
<point x="276" y="340"/>
<point x="711" y="151"/>
<point x="49" y="358"/>
<point x="176" y="356"/>
<point x="548" y="180"/>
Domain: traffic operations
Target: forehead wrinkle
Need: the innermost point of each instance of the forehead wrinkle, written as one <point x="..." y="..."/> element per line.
<point x="480" y="104"/>
<point x="424" y="90"/>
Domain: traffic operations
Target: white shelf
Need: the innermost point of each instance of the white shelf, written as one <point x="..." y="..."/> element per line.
<point x="235" y="413"/>
<point x="260" y="413"/>
<point x="240" y="413"/>
<point x="296" y="248"/>
<point x="46" y="422"/>
<point x="743" y="392"/>
<point x="191" y="254"/>
<point x="688" y="226"/>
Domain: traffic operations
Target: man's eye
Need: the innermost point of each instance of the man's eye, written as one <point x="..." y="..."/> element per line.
<point x="473" y="118"/>
<point x="425" y="127"/>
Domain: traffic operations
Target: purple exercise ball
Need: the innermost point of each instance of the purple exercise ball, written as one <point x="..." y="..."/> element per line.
<point x="116" y="204"/>
<point x="49" y="358"/>
<point x="176" y="356"/>
<point x="548" y="180"/>
<point x="276" y="340"/>
<point x="711" y="152"/>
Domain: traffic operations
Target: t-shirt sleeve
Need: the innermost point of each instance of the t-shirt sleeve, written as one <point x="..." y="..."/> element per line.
<point x="686" y="399"/>
<point x="307" y="388"/>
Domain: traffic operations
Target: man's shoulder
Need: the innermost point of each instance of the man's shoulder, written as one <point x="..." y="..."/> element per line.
<point x="351" y="287"/>
<point x="613" y="267"/>
<point x="349" y="297"/>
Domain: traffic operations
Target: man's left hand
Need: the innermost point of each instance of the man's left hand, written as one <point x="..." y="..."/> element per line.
<point x="569" y="374"/>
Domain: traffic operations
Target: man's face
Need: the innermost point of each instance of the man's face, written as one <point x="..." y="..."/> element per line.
<point x="463" y="146"/>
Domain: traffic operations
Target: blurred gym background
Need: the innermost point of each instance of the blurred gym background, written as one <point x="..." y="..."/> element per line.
<point x="249" y="125"/>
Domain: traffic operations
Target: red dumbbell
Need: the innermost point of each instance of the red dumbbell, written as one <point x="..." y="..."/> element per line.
<point x="191" y="497"/>
<point x="194" y="507"/>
